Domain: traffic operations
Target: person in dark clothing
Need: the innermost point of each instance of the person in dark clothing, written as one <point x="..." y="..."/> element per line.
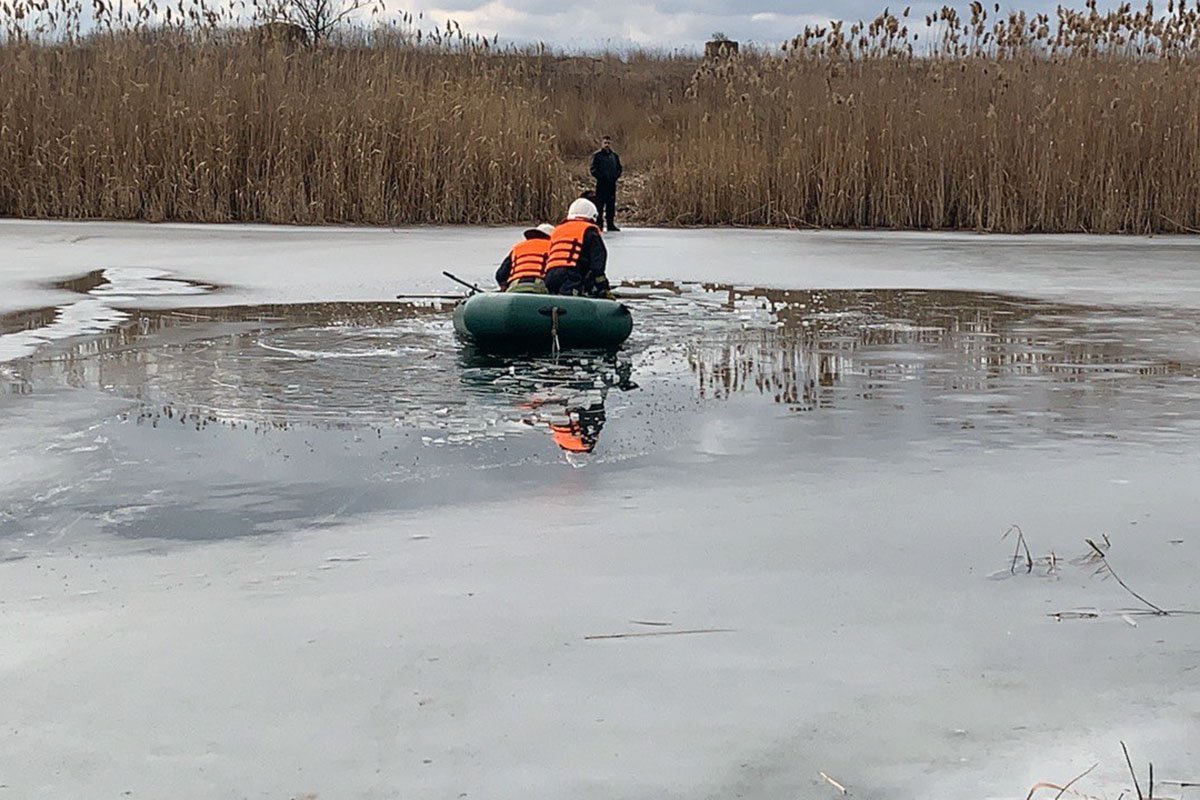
<point x="577" y="259"/>
<point x="606" y="169"/>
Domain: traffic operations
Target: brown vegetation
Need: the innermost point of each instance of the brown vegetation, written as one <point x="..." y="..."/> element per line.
<point x="171" y="127"/>
<point x="281" y="34"/>
<point x="1090" y="123"/>
<point x="1078" y="122"/>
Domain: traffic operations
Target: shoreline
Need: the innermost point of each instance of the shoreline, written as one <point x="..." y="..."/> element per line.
<point x="631" y="225"/>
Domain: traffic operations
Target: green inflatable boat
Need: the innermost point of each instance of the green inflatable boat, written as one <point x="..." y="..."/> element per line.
<point x="513" y="321"/>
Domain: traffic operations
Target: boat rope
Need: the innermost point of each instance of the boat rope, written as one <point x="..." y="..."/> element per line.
<point x="554" y="346"/>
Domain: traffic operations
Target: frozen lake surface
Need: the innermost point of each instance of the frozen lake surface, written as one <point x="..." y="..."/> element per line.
<point x="267" y="532"/>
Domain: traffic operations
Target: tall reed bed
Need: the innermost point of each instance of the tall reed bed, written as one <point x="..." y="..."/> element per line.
<point x="1077" y="121"/>
<point x="1081" y="122"/>
<point x="201" y="124"/>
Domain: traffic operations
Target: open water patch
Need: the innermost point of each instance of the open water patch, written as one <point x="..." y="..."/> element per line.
<point x="942" y="358"/>
<point x="253" y="419"/>
<point x="94" y="313"/>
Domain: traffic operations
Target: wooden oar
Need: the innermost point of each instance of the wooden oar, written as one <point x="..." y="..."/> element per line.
<point x="457" y="279"/>
<point x="429" y="296"/>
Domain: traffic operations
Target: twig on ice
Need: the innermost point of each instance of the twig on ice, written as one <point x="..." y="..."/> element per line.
<point x="656" y="633"/>
<point x="1108" y="567"/>
<point x="1074" y="780"/>
<point x="833" y="783"/>
<point x="1021" y="544"/>
<point x="1132" y="773"/>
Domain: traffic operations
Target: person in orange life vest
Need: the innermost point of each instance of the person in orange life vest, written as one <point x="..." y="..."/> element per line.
<point x="581" y="431"/>
<point x="524" y="268"/>
<point x="577" y="258"/>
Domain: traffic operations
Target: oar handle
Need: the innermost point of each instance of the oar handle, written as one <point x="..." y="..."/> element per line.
<point x="457" y="279"/>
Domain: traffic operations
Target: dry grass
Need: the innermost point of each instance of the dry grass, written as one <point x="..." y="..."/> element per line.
<point x="199" y="126"/>
<point x="1078" y="122"/>
<point x="1078" y="133"/>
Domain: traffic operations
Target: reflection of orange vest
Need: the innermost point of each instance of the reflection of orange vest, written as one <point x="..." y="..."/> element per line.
<point x="528" y="260"/>
<point x="566" y="243"/>
<point x="570" y="438"/>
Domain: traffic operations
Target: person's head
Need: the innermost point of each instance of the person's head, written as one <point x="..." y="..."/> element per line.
<point x="542" y="231"/>
<point x="582" y="209"/>
<point x="606" y="142"/>
<point x="588" y="194"/>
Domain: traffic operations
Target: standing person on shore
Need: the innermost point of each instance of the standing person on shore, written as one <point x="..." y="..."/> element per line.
<point x="577" y="259"/>
<point x="606" y="169"/>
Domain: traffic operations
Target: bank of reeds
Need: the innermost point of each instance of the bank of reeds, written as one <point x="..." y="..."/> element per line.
<point x="205" y="125"/>
<point x="1080" y="121"/>
<point x="1086" y="122"/>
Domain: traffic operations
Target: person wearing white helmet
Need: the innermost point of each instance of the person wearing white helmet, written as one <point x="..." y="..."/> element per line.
<point x="577" y="258"/>
<point x="524" y="268"/>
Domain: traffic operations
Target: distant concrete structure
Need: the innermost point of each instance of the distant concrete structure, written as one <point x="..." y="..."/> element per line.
<point x="720" y="47"/>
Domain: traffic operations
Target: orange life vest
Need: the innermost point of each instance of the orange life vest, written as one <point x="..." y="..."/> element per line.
<point x="528" y="260"/>
<point x="566" y="243"/>
<point x="570" y="437"/>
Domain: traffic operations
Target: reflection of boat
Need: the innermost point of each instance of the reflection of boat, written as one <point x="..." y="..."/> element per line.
<point x="512" y="321"/>
<point x="575" y="422"/>
<point x="565" y="395"/>
<point x="580" y="431"/>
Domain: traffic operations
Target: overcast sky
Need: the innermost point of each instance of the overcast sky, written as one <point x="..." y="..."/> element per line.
<point x="669" y="24"/>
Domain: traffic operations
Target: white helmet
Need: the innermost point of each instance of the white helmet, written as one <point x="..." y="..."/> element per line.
<point x="582" y="209"/>
<point x="542" y="231"/>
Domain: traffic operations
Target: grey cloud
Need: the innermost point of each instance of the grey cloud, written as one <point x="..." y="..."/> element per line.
<point x="661" y="23"/>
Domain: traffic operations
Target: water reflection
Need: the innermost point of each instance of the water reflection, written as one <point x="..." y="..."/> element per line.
<point x="333" y="365"/>
<point x="20" y="321"/>
<point x="137" y="281"/>
<point x="820" y="349"/>
<point x="282" y="363"/>
<point x="259" y="418"/>
<point x="84" y="284"/>
<point x="14" y="377"/>
<point x="565" y="395"/>
<point x="954" y="356"/>
<point x="95" y="311"/>
<point x="580" y="431"/>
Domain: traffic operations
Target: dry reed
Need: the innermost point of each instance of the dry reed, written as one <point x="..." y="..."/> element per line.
<point x="1078" y="121"/>
<point x="203" y="124"/>
<point x="1088" y="124"/>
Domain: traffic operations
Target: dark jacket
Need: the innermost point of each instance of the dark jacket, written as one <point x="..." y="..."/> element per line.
<point x="503" y="272"/>
<point x="587" y="276"/>
<point x="606" y="166"/>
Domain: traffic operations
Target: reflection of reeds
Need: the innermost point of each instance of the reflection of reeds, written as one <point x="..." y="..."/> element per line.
<point x="783" y="367"/>
<point x="818" y="338"/>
